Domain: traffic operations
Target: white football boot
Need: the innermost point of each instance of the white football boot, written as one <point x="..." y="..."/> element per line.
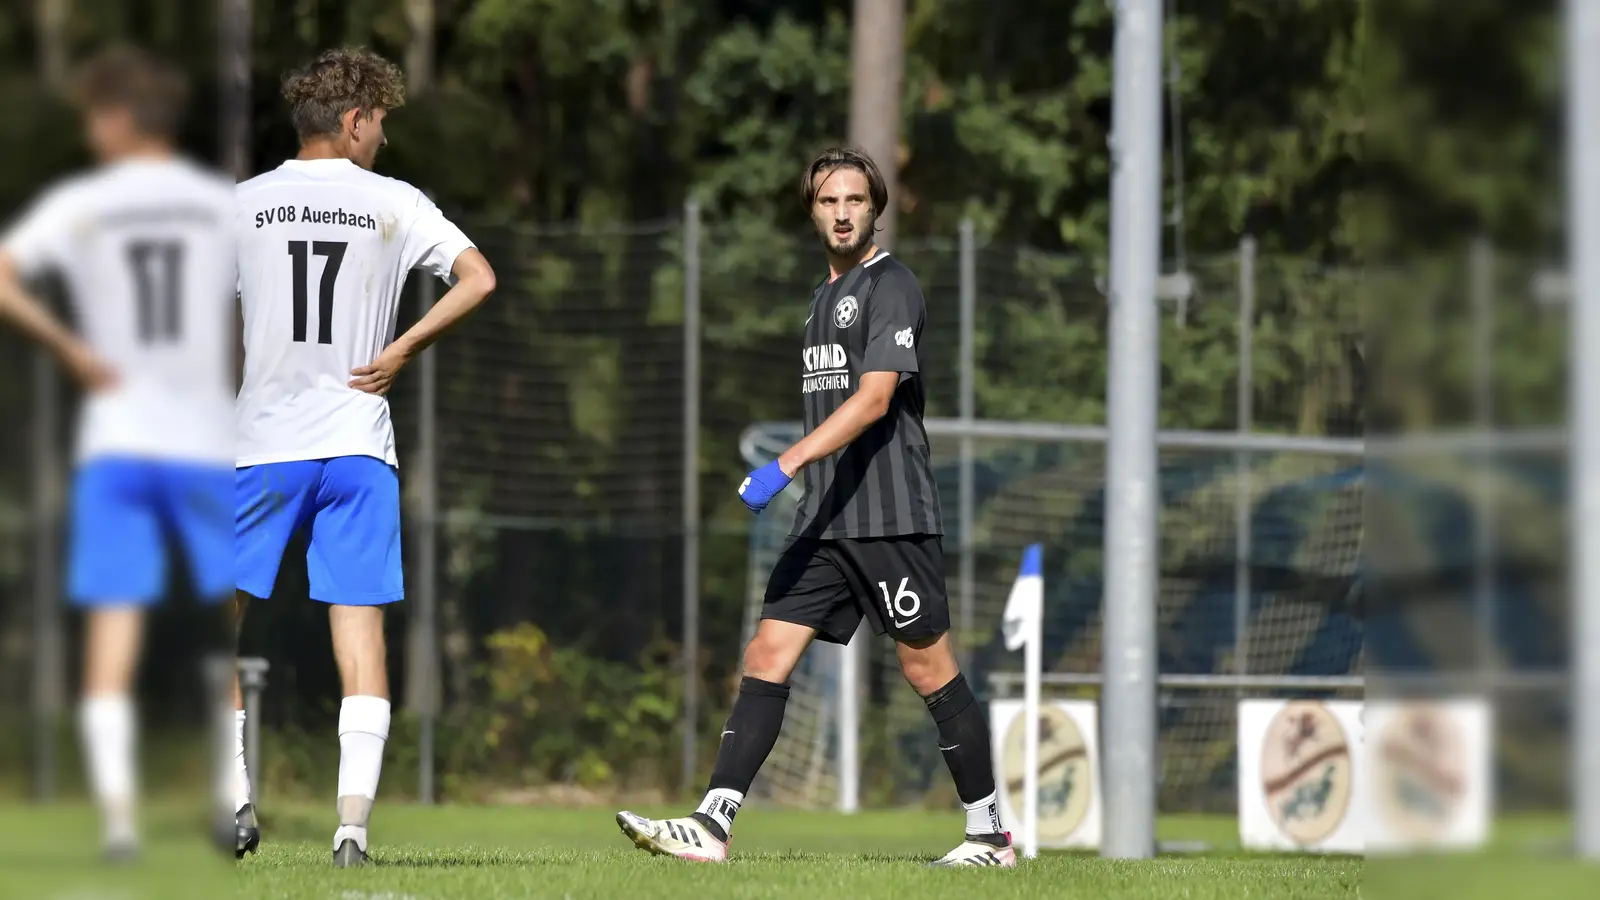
<point x="977" y="853"/>
<point x="684" y="838"/>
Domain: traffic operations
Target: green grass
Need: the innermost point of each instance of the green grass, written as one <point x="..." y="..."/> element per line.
<point x="580" y="854"/>
<point x="463" y="852"/>
<point x="477" y="853"/>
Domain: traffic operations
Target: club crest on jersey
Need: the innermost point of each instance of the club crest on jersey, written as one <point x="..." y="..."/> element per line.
<point x="844" y="315"/>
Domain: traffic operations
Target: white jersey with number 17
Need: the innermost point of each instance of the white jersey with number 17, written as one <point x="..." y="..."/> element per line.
<point x="324" y="250"/>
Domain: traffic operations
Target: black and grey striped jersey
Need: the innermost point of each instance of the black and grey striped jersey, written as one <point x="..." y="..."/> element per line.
<point x="868" y="320"/>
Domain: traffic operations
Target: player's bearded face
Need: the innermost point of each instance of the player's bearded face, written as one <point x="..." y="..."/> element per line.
<point x="842" y="211"/>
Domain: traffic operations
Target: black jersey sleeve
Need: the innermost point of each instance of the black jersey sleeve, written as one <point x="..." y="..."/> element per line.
<point x="895" y="314"/>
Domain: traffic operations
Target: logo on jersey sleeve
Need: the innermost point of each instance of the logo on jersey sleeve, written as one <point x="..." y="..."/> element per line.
<point x="903" y="338"/>
<point x="844" y="314"/>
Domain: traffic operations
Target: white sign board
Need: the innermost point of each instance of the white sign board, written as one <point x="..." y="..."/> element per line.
<point x="1069" y="770"/>
<point x="1300" y="763"/>
<point x="1430" y="783"/>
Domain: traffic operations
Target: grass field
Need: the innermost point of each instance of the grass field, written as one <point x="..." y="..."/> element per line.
<point x="457" y="853"/>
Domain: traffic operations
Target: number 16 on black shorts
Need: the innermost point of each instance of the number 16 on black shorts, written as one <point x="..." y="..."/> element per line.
<point x="829" y="584"/>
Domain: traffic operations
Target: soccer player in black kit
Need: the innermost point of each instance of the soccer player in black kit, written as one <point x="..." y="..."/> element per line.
<point x="866" y="540"/>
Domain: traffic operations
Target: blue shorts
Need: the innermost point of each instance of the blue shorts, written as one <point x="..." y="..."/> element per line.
<point x="123" y="510"/>
<point x="353" y="506"/>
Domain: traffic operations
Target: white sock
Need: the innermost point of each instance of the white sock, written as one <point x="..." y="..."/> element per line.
<point x="721" y="805"/>
<point x="363" y="729"/>
<point x="241" y="774"/>
<point x="107" y="725"/>
<point x="983" y="817"/>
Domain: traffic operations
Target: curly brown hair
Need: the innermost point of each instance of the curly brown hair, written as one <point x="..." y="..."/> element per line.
<point x="346" y="78"/>
<point x="152" y="90"/>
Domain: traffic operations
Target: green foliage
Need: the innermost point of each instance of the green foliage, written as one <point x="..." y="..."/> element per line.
<point x="556" y="714"/>
<point x="1338" y="133"/>
<point x="539" y="714"/>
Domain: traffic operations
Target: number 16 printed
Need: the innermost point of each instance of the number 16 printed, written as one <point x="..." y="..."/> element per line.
<point x="903" y="605"/>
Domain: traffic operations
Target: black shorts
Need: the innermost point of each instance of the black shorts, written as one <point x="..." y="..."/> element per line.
<point x="896" y="582"/>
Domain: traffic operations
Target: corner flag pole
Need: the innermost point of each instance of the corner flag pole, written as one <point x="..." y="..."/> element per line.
<point x="1023" y="624"/>
<point x="1030" y="748"/>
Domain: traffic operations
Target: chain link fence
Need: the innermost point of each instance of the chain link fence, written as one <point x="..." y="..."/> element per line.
<point x="547" y="454"/>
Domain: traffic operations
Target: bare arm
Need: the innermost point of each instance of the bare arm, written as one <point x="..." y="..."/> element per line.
<point x="31" y="317"/>
<point x="474" y="283"/>
<point x="869" y="404"/>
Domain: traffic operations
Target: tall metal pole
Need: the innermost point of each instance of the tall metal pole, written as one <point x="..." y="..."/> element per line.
<point x="426" y="686"/>
<point x="877" y="63"/>
<point x="49" y="689"/>
<point x="234" y="66"/>
<point x="1244" y="401"/>
<point x="49" y="671"/>
<point x="691" y="488"/>
<point x="1481" y="292"/>
<point x="1583" y="258"/>
<point x="1132" y="488"/>
<point x="968" y="409"/>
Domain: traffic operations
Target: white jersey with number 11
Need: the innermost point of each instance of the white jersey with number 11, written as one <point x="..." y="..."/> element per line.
<point x="145" y="250"/>
<point x="325" y="247"/>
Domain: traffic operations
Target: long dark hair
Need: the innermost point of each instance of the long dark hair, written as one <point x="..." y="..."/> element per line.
<point x="847" y="158"/>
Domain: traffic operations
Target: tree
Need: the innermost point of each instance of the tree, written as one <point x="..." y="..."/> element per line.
<point x="50" y="19"/>
<point x="877" y="65"/>
<point x="419" y="46"/>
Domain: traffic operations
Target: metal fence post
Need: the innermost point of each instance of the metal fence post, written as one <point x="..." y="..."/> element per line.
<point x="252" y="682"/>
<point x="49" y="673"/>
<point x="848" y="703"/>
<point x="1583" y="258"/>
<point x="425" y="628"/>
<point x="1481" y="291"/>
<point x="49" y="689"/>
<point x="968" y="409"/>
<point x="691" y="489"/>
<point x="1128" y="701"/>
<point x="1244" y="401"/>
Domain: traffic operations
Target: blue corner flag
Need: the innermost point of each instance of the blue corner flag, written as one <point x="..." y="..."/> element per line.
<point x="1025" y="606"/>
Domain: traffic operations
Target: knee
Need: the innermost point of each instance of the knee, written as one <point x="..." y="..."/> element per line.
<point x="925" y="678"/>
<point x="767" y="659"/>
<point x="926" y="668"/>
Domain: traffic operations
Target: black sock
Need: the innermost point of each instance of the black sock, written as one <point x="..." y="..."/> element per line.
<point x="964" y="741"/>
<point x="751" y="731"/>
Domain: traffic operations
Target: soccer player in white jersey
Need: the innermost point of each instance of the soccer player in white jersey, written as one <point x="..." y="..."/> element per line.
<point x="143" y="243"/>
<point x="325" y="246"/>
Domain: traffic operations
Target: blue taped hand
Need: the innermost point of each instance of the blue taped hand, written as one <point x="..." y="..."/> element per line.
<point x="762" y="485"/>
